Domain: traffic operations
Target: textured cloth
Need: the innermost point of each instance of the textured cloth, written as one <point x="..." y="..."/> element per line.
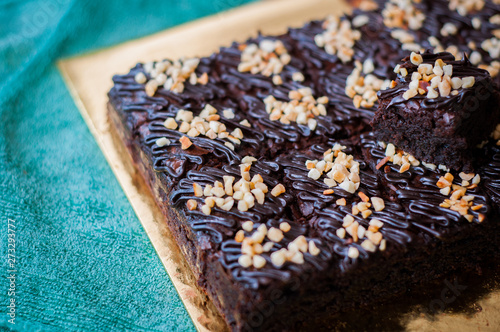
<point x="83" y="260"/>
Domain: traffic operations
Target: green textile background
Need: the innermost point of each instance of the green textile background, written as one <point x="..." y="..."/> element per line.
<point x="83" y="261"/>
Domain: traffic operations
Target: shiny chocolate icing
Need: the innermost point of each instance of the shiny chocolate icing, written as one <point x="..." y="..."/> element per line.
<point x="412" y="216"/>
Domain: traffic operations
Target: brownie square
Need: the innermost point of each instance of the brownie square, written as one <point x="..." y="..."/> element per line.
<point x="438" y="119"/>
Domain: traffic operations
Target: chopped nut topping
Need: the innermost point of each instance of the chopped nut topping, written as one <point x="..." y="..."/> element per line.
<point x="360" y="20"/>
<point x="403" y="36"/>
<point x="206" y="209"/>
<point x="341" y="202"/>
<point x="285" y="227"/>
<point x="151" y="88"/>
<point x="378" y="203"/>
<point x="198" y="191"/>
<point x="163" y="141"/>
<point x="245" y="260"/>
<point x="448" y="29"/>
<point x="228" y="114"/>
<point x="400" y="158"/>
<point x="252" y="248"/>
<point x="275" y="234"/>
<point x="493" y="68"/>
<point x="464" y="7"/>
<point x="368" y="246"/>
<point x="468" y="82"/>
<point x="458" y="200"/>
<point x="341" y="233"/>
<point x="302" y="108"/>
<point x="278" y="190"/>
<point x="466" y="177"/>
<point x="402" y="13"/>
<point x="171" y="75"/>
<point x="277" y="80"/>
<point x="495" y="19"/>
<point x="366" y="213"/>
<point x="268" y="58"/>
<point x="344" y="170"/>
<point x="440" y="77"/>
<point x="247" y="226"/>
<point x="313" y="249"/>
<point x="259" y="262"/>
<point x="170" y="123"/>
<point x="353" y="252"/>
<point x="298" y="77"/>
<point x="278" y="258"/>
<point x="338" y="38"/>
<point x="363" y="196"/>
<point x="348" y="220"/>
<point x="416" y="58"/>
<point x="240" y="235"/>
<point x="376" y="223"/>
<point x="205" y="124"/>
<point x="363" y="89"/>
<point x="240" y="191"/>
<point x="245" y="123"/>
<point x="191" y="204"/>
<point x="140" y="78"/>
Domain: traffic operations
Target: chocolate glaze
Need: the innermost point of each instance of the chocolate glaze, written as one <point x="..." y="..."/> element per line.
<point x="412" y="216"/>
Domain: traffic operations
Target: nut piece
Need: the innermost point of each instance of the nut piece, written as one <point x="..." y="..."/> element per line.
<point x="247" y="226"/>
<point x="206" y="209"/>
<point x="240" y="236"/>
<point x="363" y="196"/>
<point x="298" y="77"/>
<point x="170" y="123"/>
<point x="278" y="190"/>
<point x="368" y="246"/>
<point x="191" y="204"/>
<point x="285" y="227"/>
<point x="140" y="78"/>
<point x="163" y="141"/>
<point x="468" y="82"/>
<point x="185" y="142"/>
<point x="245" y="260"/>
<point x="197" y="189"/>
<point x="278" y="258"/>
<point x="353" y="253"/>
<point x="259" y="262"/>
<point x="366" y="213"/>
<point x="313" y="249"/>
<point x="378" y="203"/>
<point x="416" y="58"/>
<point x="151" y="88"/>
<point x="340" y="233"/>
<point x="275" y="234"/>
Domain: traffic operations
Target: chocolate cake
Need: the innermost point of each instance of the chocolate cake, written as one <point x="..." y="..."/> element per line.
<point x="282" y="199"/>
<point x="438" y="118"/>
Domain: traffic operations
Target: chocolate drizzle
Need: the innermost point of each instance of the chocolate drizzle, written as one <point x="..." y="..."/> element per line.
<point x="412" y="216"/>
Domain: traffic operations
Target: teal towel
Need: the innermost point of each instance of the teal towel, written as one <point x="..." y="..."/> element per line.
<point x="82" y="260"/>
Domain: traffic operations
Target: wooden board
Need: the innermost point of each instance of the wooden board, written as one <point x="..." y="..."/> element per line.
<point x="89" y="79"/>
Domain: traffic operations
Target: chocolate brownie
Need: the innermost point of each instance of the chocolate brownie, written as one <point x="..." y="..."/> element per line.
<point x="281" y="198"/>
<point x="439" y="109"/>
